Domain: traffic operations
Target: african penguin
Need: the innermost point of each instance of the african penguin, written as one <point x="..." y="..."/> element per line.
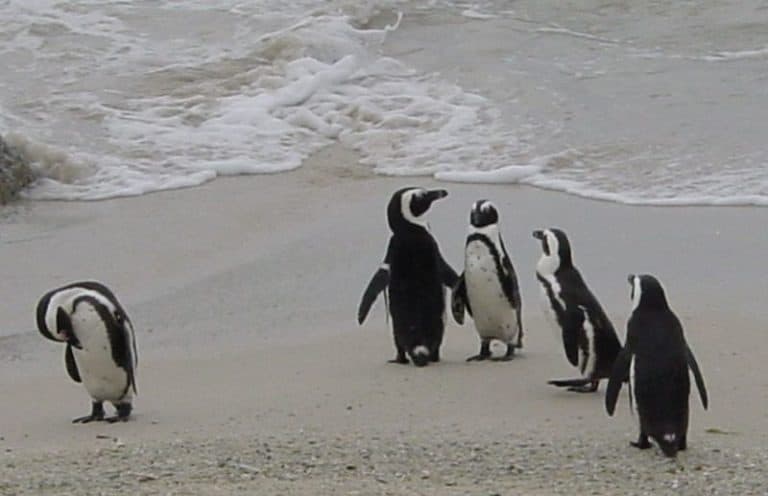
<point x="588" y="336"/>
<point x="655" y="359"/>
<point x="414" y="274"/>
<point x="488" y="286"/>
<point x="100" y="344"/>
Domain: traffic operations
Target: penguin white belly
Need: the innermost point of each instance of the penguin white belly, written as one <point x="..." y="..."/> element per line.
<point x="493" y="314"/>
<point x="102" y="378"/>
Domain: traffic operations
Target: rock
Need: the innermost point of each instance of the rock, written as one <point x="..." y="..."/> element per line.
<point x="15" y="172"/>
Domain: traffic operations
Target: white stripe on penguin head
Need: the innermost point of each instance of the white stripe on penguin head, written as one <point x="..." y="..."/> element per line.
<point x="405" y="207"/>
<point x="548" y="264"/>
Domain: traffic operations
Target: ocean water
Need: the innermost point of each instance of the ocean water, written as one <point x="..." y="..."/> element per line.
<point x="634" y="102"/>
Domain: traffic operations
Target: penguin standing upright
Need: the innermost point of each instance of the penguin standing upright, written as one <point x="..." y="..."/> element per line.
<point x="100" y="344"/>
<point x="656" y="359"/>
<point x="588" y="336"/>
<point x="488" y="286"/>
<point x="414" y="274"/>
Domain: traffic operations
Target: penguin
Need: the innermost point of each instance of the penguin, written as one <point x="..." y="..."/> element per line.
<point x="588" y="336"/>
<point x="414" y="274"/>
<point x="656" y="359"/>
<point x="488" y="287"/>
<point x="100" y="347"/>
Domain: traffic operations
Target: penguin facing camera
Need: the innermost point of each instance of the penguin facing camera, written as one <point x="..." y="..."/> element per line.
<point x="488" y="288"/>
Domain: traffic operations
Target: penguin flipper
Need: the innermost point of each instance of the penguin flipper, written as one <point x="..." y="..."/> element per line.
<point x="69" y="361"/>
<point x="571" y="344"/>
<point x="509" y="282"/>
<point x="619" y="374"/>
<point x="459" y="300"/>
<point x="379" y="282"/>
<point x="449" y="276"/>
<point x="697" y="376"/>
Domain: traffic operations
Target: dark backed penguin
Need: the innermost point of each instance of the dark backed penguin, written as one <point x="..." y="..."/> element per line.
<point x="655" y="359"/>
<point x="488" y="287"/>
<point x="100" y="344"/>
<point x="588" y="336"/>
<point x="414" y="274"/>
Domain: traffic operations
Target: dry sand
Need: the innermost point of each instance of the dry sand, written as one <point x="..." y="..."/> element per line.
<point x="254" y="377"/>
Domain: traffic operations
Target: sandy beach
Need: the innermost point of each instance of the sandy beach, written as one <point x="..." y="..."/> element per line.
<point x="254" y="377"/>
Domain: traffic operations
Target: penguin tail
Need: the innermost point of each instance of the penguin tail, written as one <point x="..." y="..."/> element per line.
<point x="420" y="355"/>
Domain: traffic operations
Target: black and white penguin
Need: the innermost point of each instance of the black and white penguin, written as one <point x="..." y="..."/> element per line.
<point x="655" y="359"/>
<point x="100" y="344"/>
<point x="488" y="287"/>
<point x="588" y="336"/>
<point x="414" y="274"/>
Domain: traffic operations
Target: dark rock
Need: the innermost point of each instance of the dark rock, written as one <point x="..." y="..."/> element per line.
<point x="15" y="172"/>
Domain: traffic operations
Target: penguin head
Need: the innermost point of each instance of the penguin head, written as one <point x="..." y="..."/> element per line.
<point x="65" y="330"/>
<point x="647" y="292"/>
<point x="555" y="250"/>
<point x="408" y="205"/>
<point x="483" y="214"/>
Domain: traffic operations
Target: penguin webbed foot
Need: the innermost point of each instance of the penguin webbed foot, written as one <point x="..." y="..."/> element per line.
<point x="509" y="356"/>
<point x="485" y="353"/>
<point x="576" y="385"/>
<point x="641" y="443"/>
<point x="586" y="388"/>
<point x="97" y="414"/>
<point x="478" y="358"/>
<point x="401" y="359"/>
<point x="122" y="415"/>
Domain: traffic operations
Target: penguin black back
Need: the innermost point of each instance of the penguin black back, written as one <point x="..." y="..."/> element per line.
<point x="413" y="273"/>
<point x="656" y="360"/>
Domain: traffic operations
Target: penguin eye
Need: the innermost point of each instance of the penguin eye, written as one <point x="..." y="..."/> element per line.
<point x="119" y="317"/>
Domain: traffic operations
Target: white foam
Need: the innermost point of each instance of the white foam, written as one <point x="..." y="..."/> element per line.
<point x="123" y="98"/>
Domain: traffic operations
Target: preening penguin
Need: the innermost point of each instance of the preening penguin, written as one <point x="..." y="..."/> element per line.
<point x="655" y="359"/>
<point x="488" y="287"/>
<point x="414" y="274"/>
<point x="100" y="344"/>
<point x="588" y="336"/>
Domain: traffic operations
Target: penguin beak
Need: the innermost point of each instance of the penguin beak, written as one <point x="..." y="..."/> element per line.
<point x="538" y="234"/>
<point x="631" y="279"/>
<point x="436" y="194"/>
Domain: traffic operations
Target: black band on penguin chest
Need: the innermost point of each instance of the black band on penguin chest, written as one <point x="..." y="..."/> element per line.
<point x="497" y="262"/>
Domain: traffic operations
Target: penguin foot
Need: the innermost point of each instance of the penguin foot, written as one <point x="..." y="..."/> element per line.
<point x="97" y="414"/>
<point x="485" y="352"/>
<point x="123" y="413"/>
<point x="87" y="419"/>
<point x="641" y="446"/>
<point x="588" y="388"/>
<point x="505" y="358"/>
<point x="641" y="443"/>
<point x="508" y="356"/>
<point x="115" y="419"/>
<point x="400" y="360"/>
<point x="478" y="358"/>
